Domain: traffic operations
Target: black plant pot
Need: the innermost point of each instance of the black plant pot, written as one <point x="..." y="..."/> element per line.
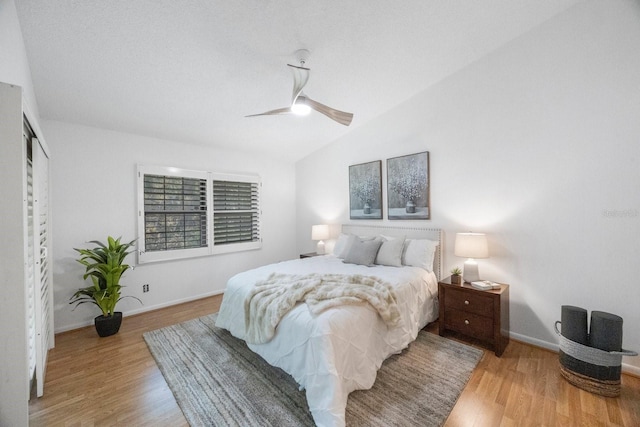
<point x="108" y="325"/>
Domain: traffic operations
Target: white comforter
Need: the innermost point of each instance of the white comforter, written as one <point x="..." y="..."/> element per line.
<point x="341" y="349"/>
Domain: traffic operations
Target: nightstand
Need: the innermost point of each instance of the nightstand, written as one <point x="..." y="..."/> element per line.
<point x="309" y="255"/>
<point x="483" y="315"/>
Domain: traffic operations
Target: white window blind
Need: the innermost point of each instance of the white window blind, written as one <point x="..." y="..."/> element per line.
<point x="236" y="215"/>
<point x="185" y="213"/>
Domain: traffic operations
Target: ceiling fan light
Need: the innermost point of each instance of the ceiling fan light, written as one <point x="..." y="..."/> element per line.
<point x="300" y="109"/>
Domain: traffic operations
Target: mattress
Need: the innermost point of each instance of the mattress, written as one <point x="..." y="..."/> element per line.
<point x="341" y="349"/>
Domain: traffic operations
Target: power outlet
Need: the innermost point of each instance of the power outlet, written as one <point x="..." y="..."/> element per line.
<point x="145" y="288"/>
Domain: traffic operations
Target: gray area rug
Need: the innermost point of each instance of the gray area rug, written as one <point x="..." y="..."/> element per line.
<point x="218" y="381"/>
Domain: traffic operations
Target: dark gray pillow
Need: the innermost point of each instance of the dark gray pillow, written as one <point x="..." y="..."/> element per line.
<point x="363" y="252"/>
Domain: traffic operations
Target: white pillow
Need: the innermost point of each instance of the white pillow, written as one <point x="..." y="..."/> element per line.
<point x="362" y="252"/>
<point x="419" y="253"/>
<point x="390" y="252"/>
<point x="342" y="244"/>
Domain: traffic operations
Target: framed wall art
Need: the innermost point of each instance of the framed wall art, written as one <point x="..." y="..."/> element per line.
<point x="365" y="190"/>
<point x="408" y="187"/>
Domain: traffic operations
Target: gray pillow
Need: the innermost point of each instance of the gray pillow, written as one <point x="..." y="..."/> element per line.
<point x="362" y="252"/>
<point x="390" y="252"/>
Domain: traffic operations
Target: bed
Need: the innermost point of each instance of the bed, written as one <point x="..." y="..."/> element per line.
<point x="340" y="349"/>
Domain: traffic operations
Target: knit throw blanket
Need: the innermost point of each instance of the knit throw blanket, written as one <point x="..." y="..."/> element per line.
<point x="274" y="297"/>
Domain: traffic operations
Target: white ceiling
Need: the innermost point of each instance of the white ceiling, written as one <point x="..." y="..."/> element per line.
<point x="190" y="70"/>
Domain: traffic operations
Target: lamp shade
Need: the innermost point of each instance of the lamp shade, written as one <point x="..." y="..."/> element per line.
<point x="320" y="232"/>
<point x="471" y="245"/>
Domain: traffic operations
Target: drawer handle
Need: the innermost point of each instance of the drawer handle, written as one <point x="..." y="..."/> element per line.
<point x="466" y="302"/>
<point x="466" y="322"/>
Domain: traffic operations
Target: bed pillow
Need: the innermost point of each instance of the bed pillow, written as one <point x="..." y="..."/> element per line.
<point x="390" y="252"/>
<point x="419" y="253"/>
<point x="342" y="244"/>
<point x="362" y="252"/>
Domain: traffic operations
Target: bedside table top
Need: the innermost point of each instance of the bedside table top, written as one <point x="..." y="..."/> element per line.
<point x="309" y="255"/>
<point x="447" y="282"/>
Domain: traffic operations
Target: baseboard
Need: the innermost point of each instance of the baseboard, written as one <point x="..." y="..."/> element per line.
<point x="176" y="302"/>
<point x="626" y="368"/>
<point x="141" y="310"/>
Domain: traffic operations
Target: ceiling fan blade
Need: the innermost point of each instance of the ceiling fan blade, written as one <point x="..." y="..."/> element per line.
<point x="339" y="116"/>
<point x="285" y="110"/>
<point x="300" y="79"/>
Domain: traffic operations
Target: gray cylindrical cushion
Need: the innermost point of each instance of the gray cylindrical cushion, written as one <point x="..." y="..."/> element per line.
<point x="605" y="331"/>
<point x="574" y="324"/>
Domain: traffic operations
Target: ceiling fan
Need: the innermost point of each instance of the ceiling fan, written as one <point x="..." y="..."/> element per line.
<point x="301" y="104"/>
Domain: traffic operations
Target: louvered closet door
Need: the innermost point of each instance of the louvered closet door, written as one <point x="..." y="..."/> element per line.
<point x="42" y="272"/>
<point x="30" y="267"/>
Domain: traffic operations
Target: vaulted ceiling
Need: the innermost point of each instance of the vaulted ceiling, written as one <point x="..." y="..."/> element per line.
<point x="191" y="70"/>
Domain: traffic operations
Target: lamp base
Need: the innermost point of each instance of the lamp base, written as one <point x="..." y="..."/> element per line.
<point x="320" y="248"/>
<point x="470" y="273"/>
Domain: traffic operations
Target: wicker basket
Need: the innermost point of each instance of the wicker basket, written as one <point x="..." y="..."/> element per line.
<point x="591" y="369"/>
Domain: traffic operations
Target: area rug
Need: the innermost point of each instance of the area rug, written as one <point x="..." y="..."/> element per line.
<point x="218" y="381"/>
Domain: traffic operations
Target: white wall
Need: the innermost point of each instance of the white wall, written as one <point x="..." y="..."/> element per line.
<point x="94" y="195"/>
<point x="14" y="66"/>
<point x="538" y="145"/>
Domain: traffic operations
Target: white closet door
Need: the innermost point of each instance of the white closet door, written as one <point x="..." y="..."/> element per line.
<point x="30" y="266"/>
<point x="42" y="272"/>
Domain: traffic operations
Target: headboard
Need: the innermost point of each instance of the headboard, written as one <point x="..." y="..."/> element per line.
<point x="409" y="232"/>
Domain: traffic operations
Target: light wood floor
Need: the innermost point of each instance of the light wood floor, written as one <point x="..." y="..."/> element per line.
<point x="94" y="381"/>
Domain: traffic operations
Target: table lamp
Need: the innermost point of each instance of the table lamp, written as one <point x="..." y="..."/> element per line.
<point x="471" y="246"/>
<point x="320" y="233"/>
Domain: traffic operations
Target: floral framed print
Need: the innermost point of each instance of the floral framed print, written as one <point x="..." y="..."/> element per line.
<point x="365" y="190"/>
<point x="408" y="187"/>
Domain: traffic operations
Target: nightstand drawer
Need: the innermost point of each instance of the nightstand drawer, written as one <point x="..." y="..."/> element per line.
<point x="469" y="324"/>
<point x="473" y="302"/>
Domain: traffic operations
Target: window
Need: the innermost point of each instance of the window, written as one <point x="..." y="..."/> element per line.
<point x="175" y="212"/>
<point x="235" y="212"/>
<point x="184" y="213"/>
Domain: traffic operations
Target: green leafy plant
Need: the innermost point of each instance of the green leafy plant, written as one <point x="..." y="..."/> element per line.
<point x="104" y="265"/>
<point x="456" y="271"/>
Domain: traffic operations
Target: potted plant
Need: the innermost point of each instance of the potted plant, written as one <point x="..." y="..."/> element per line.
<point x="104" y="264"/>
<point x="456" y="275"/>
